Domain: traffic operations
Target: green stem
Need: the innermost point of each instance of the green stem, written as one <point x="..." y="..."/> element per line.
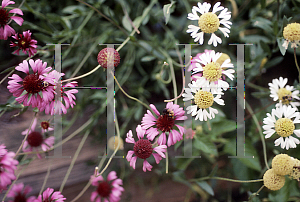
<point x="46" y="177"/>
<point x="167" y="161"/>
<point x="260" y="133"/>
<point x="295" y="56"/>
<point x="225" y="179"/>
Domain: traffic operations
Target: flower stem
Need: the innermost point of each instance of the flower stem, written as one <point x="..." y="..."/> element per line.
<point x="167" y="161"/>
<point x="260" y="133"/>
<point x="225" y="179"/>
<point x="255" y="194"/>
<point x="295" y="56"/>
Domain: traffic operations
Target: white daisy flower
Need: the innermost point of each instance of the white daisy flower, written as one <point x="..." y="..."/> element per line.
<point x="282" y="120"/>
<point x="284" y="93"/>
<point x="212" y="70"/>
<point x="209" y="22"/>
<point x="203" y="100"/>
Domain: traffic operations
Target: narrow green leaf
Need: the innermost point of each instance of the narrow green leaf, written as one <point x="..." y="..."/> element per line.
<point x="126" y="23"/>
<point x="167" y="11"/>
<point x="282" y="49"/>
<point x="147" y="58"/>
<point x="205" y="186"/>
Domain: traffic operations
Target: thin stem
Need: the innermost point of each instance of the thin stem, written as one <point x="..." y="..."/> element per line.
<point x="173" y="78"/>
<point x="74" y="160"/>
<point x="84" y="75"/>
<point x="295" y="56"/>
<point x="12" y="71"/>
<point x="133" y="98"/>
<point x="225" y="179"/>
<point x="167" y="161"/>
<point x="260" y="133"/>
<point x="255" y="194"/>
<point x="26" y="135"/>
<point x="21" y="4"/>
<point x="46" y="177"/>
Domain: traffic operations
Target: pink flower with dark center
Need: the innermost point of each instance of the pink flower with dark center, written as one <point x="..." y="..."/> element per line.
<point x="26" y="44"/>
<point x="8" y="165"/>
<point x="49" y="195"/>
<point x="46" y="126"/>
<point x="143" y="149"/>
<point x="164" y="124"/>
<point x="28" y="90"/>
<point x="36" y="139"/>
<point x="6" y="30"/>
<point x="109" y="190"/>
<point x="19" y="195"/>
<point x="58" y="107"/>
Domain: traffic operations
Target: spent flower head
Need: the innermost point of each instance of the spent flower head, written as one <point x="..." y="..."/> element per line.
<point x="6" y="17"/>
<point x="282" y="121"/>
<point x="108" y="57"/>
<point x="273" y="181"/>
<point x="164" y="124"/>
<point x="203" y="99"/>
<point x="282" y="164"/>
<point x="285" y="94"/>
<point x="143" y="149"/>
<point x="209" y="22"/>
<point x="291" y="34"/>
<point x="107" y="190"/>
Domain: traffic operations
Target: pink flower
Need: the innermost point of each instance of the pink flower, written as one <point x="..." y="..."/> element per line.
<point x="164" y="124"/>
<point x="50" y="196"/>
<point x="189" y="133"/>
<point x="18" y="194"/>
<point x="5" y="30"/>
<point x="193" y="64"/>
<point x="26" y="44"/>
<point x="143" y="149"/>
<point x="36" y="139"/>
<point x="110" y="189"/>
<point x="28" y="90"/>
<point x="8" y="165"/>
<point x="68" y="96"/>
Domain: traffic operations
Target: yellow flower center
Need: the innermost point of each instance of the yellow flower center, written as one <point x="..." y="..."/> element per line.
<point x="204" y="99"/>
<point x="292" y="32"/>
<point x="209" y="22"/>
<point x="284" y="127"/>
<point x="212" y="71"/>
<point x="284" y="95"/>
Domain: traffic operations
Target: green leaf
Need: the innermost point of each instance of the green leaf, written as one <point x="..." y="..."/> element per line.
<point x="126" y="23"/>
<point x="206" y="146"/>
<point x="255" y="39"/>
<point x="260" y="95"/>
<point x="250" y="151"/>
<point x="167" y="11"/>
<point x="262" y="23"/>
<point x="282" y="49"/>
<point x="205" y="186"/>
<point x="263" y="3"/>
<point x="182" y="163"/>
<point x="273" y="62"/>
<point x="147" y="58"/>
<point x="222" y="127"/>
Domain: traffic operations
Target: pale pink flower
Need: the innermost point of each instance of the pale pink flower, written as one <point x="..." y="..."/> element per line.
<point x="26" y="44"/>
<point x="143" y="149"/>
<point x="50" y="196"/>
<point x="8" y="165"/>
<point x="36" y="139"/>
<point x="107" y="190"/>
<point x="6" y="30"/>
<point x="28" y="90"/>
<point x="19" y="195"/>
<point x="164" y="124"/>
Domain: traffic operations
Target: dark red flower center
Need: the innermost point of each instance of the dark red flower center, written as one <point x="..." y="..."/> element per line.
<point x="20" y="198"/>
<point x="104" y="189"/>
<point x="165" y="122"/>
<point x="143" y="148"/>
<point x="3" y="17"/>
<point x="23" y="43"/>
<point x="33" y="84"/>
<point x="35" y="139"/>
<point x="45" y="125"/>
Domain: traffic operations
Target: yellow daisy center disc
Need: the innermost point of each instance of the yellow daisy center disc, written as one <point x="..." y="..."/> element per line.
<point x="209" y="22"/>
<point x="284" y="95"/>
<point x="292" y="32"/>
<point x="284" y="127"/>
<point x="204" y="99"/>
<point x="212" y="71"/>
